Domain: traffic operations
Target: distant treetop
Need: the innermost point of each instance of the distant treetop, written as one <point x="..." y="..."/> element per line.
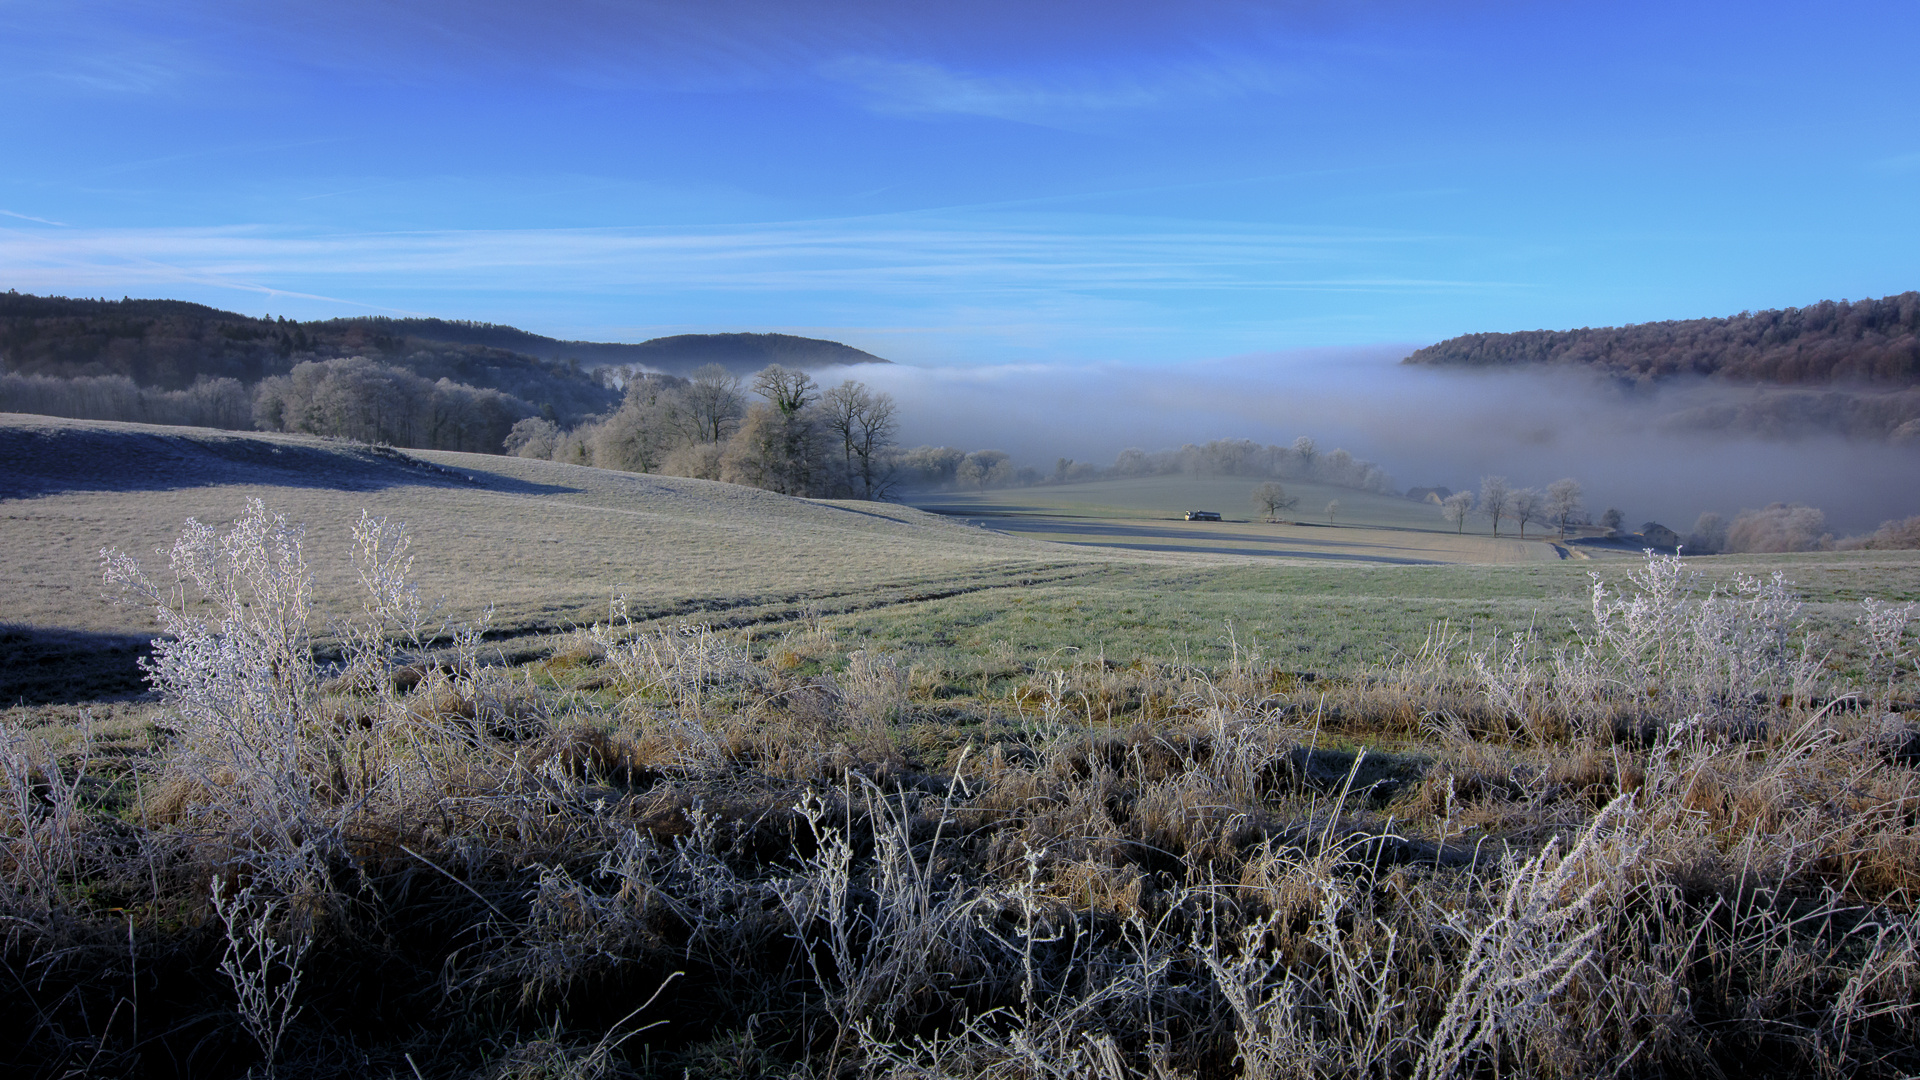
<point x="1865" y="341"/>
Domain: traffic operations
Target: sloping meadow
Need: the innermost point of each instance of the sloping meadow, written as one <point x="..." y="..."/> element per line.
<point x="1683" y="840"/>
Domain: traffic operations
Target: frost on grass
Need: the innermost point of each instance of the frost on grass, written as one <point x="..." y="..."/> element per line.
<point x="1679" y="845"/>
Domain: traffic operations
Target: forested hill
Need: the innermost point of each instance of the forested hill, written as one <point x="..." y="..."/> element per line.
<point x="1866" y="341"/>
<point x="171" y="344"/>
<point x="742" y="354"/>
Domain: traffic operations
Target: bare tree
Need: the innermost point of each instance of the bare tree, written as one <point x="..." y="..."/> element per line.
<point x="1494" y="496"/>
<point x="786" y="389"/>
<point x="1271" y="498"/>
<point x="1304" y="448"/>
<point x="1563" y="502"/>
<point x="872" y="449"/>
<point x="713" y="403"/>
<point x="1456" y="508"/>
<point x="1612" y="519"/>
<point x="1527" y="505"/>
<point x="864" y="422"/>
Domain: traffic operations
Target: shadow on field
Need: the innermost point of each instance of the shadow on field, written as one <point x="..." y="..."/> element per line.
<point x="1056" y="526"/>
<point x="1001" y="510"/>
<point x="55" y="666"/>
<point x="37" y="461"/>
<point x="1335" y="556"/>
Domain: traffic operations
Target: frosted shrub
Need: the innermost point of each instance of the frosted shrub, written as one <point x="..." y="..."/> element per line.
<point x="392" y="614"/>
<point x="1640" y="633"/>
<point x="1883" y="629"/>
<point x="235" y="666"/>
<point x="1742" y="645"/>
<point x="1661" y="646"/>
<point x="258" y="760"/>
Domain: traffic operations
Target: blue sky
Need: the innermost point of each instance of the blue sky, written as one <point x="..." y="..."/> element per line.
<point x="980" y="183"/>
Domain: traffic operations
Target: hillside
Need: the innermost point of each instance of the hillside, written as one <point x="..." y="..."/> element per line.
<point x="1873" y="342"/>
<point x="546" y="544"/>
<point x="171" y="344"/>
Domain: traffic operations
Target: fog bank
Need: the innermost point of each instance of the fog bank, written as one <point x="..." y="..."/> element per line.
<point x="1425" y="426"/>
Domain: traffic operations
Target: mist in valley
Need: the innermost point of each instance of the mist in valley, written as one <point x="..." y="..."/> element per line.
<point x="1646" y="450"/>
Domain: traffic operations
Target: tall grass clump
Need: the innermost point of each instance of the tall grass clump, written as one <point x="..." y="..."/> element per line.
<point x="1684" y="843"/>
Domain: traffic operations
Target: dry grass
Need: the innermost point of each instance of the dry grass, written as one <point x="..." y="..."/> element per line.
<point x="1670" y="845"/>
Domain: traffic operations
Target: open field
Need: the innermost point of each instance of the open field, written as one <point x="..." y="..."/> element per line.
<point x="860" y="791"/>
<point x="1147" y="514"/>
<point x="547" y="545"/>
<point x="1329" y="619"/>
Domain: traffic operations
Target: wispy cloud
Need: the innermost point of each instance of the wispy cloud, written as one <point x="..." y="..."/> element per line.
<point x="113" y="75"/>
<point x="30" y="217"/>
<point x="925" y="287"/>
<point x="910" y="87"/>
<point x="92" y="49"/>
<point x="883" y="256"/>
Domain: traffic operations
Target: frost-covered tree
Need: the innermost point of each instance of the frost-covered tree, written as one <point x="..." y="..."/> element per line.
<point x="1305" y="449"/>
<point x="1527" y="505"/>
<point x="1494" y="495"/>
<point x="1563" y="503"/>
<point x="1270" y="498"/>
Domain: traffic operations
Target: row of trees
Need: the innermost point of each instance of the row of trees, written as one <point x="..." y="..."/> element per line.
<point x="1303" y="460"/>
<point x="798" y="439"/>
<point x="950" y="467"/>
<point x="360" y="398"/>
<point x="1559" y="505"/>
<point x="1780" y="527"/>
<point x="216" y="403"/>
<point x="353" y="397"/>
<point x="1793" y="527"/>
